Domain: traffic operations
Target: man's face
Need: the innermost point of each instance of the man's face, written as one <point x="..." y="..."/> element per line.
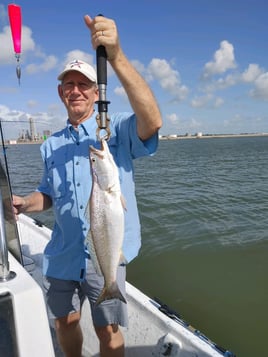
<point x="78" y="94"/>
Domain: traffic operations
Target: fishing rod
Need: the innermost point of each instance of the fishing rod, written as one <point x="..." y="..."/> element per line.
<point x="6" y="207"/>
<point x="102" y="116"/>
<point x="5" y="156"/>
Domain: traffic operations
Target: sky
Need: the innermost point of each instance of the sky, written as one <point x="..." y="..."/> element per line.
<point x="205" y="60"/>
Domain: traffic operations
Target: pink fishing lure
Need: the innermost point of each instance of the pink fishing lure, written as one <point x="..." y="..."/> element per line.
<point x="14" y="13"/>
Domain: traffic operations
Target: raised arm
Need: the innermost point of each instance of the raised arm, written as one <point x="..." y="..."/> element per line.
<point x="141" y="98"/>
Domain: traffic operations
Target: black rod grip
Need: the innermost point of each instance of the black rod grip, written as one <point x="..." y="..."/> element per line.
<point x="101" y="65"/>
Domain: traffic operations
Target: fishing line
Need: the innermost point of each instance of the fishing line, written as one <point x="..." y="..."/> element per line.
<point x="24" y="121"/>
<point x="8" y="206"/>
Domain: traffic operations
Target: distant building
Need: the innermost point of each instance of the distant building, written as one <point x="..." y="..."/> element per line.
<point x="12" y="142"/>
<point x="31" y="135"/>
<point x="173" y="136"/>
<point x="46" y="134"/>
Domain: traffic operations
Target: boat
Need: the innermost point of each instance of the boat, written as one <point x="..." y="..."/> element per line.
<point x="26" y="331"/>
<point x="154" y="329"/>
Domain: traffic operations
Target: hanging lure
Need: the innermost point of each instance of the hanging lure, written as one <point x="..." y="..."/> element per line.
<point x="14" y="13"/>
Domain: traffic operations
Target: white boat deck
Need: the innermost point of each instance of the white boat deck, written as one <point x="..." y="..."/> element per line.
<point x="150" y="332"/>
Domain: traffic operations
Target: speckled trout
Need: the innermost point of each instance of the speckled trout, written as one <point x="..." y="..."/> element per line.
<point x="106" y="215"/>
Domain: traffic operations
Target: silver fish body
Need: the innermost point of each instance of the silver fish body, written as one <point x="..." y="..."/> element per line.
<point x="106" y="220"/>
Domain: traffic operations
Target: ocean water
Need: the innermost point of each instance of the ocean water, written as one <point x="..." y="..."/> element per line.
<point x="204" y="218"/>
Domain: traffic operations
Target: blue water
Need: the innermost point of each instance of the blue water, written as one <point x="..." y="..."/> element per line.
<point x="204" y="215"/>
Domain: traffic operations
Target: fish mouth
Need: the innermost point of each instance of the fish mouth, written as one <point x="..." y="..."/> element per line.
<point x="94" y="151"/>
<point x="100" y="153"/>
<point x="104" y="145"/>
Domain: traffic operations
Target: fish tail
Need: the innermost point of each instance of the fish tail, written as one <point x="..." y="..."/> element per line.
<point x="110" y="292"/>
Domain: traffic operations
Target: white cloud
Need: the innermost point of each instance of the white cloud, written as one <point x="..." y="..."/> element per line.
<point x="173" y="118"/>
<point x="27" y="45"/>
<point x="7" y="50"/>
<point x="120" y="91"/>
<point x="27" y="41"/>
<point x="228" y="81"/>
<point x="139" y="66"/>
<point x="201" y="101"/>
<point x="224" y="60"/>
<point x="207" y="100"/>
<point x="169" y="79"/>
<point x="78" y="54"/>
<point x="31" y="103"/>
<point x="49" y="63"/>
<point x="261" y="87"/>
<point x="220" y="83"/>
<point x="174" y="125"/>
<point x="3" y="110"/>
<point x="83" y="56"/>
<point x="15" y="121"/>
<point x="251" y="73"/>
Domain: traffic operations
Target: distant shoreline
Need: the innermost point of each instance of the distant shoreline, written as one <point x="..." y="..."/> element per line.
<point x="163" y="137"/>
<point x="210" y="136"/>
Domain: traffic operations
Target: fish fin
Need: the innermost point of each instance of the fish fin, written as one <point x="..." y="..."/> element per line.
<point x="123" y="202"/>
<point x="92" y="253"/>
<point x="110" y="292"/>
<point x="122" y="259"/>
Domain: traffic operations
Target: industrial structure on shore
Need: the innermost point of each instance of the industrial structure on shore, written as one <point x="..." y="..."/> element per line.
<point x="30" y="135"/>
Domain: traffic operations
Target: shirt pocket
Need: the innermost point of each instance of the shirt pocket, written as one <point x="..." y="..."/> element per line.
<point x="57" y="176"/>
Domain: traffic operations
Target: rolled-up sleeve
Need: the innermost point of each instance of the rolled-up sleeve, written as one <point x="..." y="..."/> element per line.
<point x="44" y="186"/>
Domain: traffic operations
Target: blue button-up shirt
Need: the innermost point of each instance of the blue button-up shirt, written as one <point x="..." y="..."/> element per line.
<point x="67" y="181"/>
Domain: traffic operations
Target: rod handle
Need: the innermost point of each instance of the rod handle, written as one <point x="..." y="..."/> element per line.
<point x="101" y="64"/>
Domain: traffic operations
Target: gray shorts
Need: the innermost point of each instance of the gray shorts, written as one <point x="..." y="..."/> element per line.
<point x="67" y="296"/>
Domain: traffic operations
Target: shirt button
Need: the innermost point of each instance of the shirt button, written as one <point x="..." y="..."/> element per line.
<point x="77" y="163"/>
<point x="81" y="207"/>
<point x="78" y="184"/>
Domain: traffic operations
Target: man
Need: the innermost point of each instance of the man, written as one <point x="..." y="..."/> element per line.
<point x="66" y="185"/>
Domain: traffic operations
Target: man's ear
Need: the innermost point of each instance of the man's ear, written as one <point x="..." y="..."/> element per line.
<point x="97" y="93"/>
<point x="60" y="91"/>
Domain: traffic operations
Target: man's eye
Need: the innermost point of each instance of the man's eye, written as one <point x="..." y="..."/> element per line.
<point x="83" y="86"/>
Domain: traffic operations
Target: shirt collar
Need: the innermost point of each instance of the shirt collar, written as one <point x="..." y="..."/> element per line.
<point x="86" y="126"/>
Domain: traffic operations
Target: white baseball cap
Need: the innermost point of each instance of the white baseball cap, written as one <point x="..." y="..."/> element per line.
<point x="82" y="67"/>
